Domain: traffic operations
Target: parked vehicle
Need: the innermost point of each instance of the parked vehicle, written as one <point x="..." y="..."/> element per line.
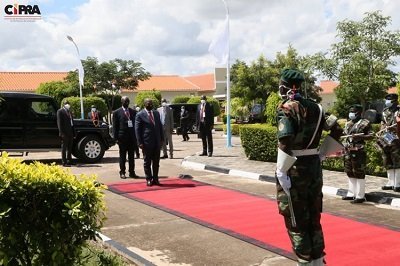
<point x="191" y="108"/>
<point x="256" y="113"/>
<point x="28" y="123"/>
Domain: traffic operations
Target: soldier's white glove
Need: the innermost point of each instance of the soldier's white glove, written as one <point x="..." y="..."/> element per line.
<point x="284" y="180"/>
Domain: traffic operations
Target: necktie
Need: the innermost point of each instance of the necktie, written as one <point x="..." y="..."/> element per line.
<point x="163" y="115"/>
<point x="151" y="117"/>
<point x="202" y="113"/>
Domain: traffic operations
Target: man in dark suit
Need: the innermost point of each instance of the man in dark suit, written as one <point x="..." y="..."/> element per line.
<point x="95" y="115"/>
<point x="150" y="136"/>
<point x="124" y="134"/>
<point x="65" y="123"/>
<point x="205" y="124"/>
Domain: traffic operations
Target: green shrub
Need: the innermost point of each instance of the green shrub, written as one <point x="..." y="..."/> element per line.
<point x="270" y="110"/>
<point x="180" y="99"/>
<point x="154" y="95"/>
<point x="259" y="142"/>
<point x="234" y="129"/>
<point x="46" y="213"/>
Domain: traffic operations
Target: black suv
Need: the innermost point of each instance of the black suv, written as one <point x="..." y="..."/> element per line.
<point x="28" y="123"/>
<point x="191" y="108"/>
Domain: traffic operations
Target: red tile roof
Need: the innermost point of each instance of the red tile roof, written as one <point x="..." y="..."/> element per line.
<point x="328" y="86"/>
<point x="206" y="82"/>
<point x="167" y="83"/>
<point x="27" y="81"/>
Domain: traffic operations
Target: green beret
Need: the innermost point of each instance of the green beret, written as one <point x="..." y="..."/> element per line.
<point x="292" y="76"/>
<point x="356" y="108"/>
<point x="391" y="96"/>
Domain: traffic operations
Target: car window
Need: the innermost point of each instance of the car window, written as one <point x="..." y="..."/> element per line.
<point x="11" y="110"/>
<point x="41" y="109"/>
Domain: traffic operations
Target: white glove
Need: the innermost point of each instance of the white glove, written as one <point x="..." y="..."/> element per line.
<point x="284" y="180"/>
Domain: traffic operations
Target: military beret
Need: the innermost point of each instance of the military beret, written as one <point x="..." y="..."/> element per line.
<point x="292" y="76"/>
<point x="356" y="108"/>
<point x="391" y="96"/>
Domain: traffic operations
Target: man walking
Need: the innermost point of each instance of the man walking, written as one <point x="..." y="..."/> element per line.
<point x="167" y="121"/>
<point x="184" y="120"/>
<point x="65" y="123"/>
<point x="299" y="173"/>
<point x="205" y="124"/>
<point x="124" y="134"/>
<point x="150" y="136"/>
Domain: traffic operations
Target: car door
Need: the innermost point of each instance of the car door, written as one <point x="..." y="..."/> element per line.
<point x="41" y="124"/>
<point x="11" y="123"/>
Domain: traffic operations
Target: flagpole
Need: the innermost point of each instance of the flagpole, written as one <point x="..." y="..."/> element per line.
<point x="79" y="75"/>
<point x="228" y="89"/>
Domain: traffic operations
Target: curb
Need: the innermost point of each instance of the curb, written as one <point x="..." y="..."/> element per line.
<point x="125" y="252"/>
<point x="332" y="191"/>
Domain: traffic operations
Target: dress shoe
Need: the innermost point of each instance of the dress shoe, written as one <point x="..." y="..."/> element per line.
<point x="209" y="154"/>
<point x="164" y="156"/>
<point x="356" y="201"/>
<point x="203" y="154"/>
<point x="347" y="198"/>
<point x="149" y="183"/>
<point x="187" y="139"/>
<point x="133" y="175"/>
<point x="66" y="165"/>
<point x="156" y="182"/>
<point x="386" y="187"/>
<point x="71" y="163"/>
<point x="137" y="156"/>
<point x="396" y="189"/>
<point x="171" y="156"/>
<point x="122" y="175"/>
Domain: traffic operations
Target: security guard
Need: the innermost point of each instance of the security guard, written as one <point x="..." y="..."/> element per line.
<point x="299" y="173"/>
<point x="389" y="141"/>
<point x="356" y="131"/>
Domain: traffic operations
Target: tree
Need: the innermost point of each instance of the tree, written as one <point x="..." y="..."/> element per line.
<point x="361" y="60"/>
<point x="154" y="95"/>
<point x="57" y="89"/>
<point x="107" y="79"/>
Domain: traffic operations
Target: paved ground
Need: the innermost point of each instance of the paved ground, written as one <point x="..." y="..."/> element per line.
<point x="154" y="237"/>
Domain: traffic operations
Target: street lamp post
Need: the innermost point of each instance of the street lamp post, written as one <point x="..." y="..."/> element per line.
<point x="80" y="74"/>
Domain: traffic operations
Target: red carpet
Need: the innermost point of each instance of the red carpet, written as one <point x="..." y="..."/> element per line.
<point x="256" y="220"/>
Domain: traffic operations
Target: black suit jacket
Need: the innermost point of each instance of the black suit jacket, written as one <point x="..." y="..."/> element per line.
<point x="121" y="131"/>
<point x="147" y="133"/>
<point x="64" y="118"/>
<point x="209" y="116"/>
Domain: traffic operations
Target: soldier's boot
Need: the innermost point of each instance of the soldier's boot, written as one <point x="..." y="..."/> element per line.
<point x="359" y="191"/>
<point x="396" y="181"/>
<point x="390" y="182"/>
<point x="351" y="191"/>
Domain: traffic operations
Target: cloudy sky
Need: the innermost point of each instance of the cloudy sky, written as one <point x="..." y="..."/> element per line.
<point x="171" y="36"/>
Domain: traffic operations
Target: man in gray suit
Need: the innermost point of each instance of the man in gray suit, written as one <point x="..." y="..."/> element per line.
<point x="167" y="120"/>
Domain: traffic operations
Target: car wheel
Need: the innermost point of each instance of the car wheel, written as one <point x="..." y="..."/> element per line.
<point x="91" y="149"/>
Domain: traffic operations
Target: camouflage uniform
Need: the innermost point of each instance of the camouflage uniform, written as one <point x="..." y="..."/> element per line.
<point x="298" y="120"/>
<point x="391" y="149"/>
<point x="355" y="158"/>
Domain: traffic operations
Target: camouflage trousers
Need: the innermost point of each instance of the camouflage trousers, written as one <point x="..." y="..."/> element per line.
<point x="391" y="156"/>
<point x="355" y="163"/>
<point x="306" y="192"/>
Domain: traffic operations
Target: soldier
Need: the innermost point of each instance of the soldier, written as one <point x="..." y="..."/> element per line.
<point x="299" y="174"/>
<point x="356" y="131"/>
<point x="389" y="141"/>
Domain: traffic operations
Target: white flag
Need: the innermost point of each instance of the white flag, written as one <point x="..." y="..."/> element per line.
<point x="81" y="73"/>
<point x="219" y="47"/>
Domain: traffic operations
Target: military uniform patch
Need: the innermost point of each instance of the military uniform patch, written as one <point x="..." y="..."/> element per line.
<point x="281" y="126"/>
